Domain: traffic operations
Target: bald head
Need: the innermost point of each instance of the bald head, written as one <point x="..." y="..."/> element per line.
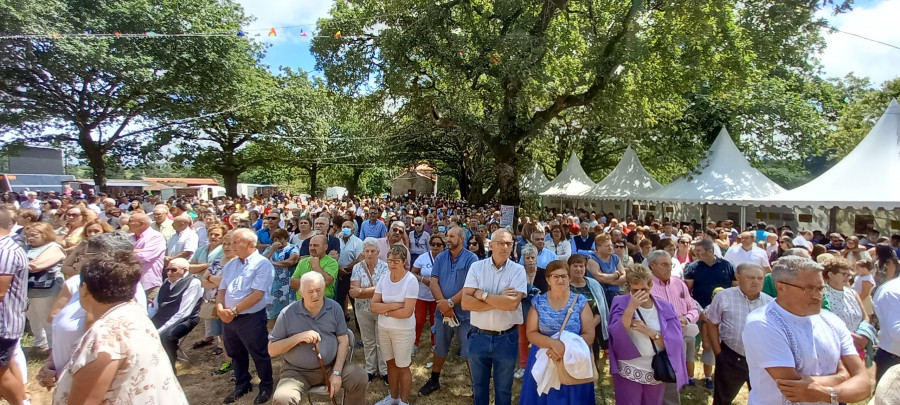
<point x="138" y="223"/>
<point x="181" y="222"/>
<point x="318" y="246"/>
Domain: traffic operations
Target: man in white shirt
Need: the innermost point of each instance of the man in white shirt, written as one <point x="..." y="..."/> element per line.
<point x="748" y="252"/>
<point x="886" y="302"/>
<point x="31" y="203"/>
<point x="176" y="308"/>
<point x="185" y="240"/>
<point x="797" y="353"/>
<point x="493" y="293"/>
<point x="804" y="240"/>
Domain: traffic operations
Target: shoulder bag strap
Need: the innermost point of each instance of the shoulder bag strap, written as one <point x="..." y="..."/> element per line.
<point x="366" y="269"/>
<point x="568" y="314"/>
<point x="652" y="343"/>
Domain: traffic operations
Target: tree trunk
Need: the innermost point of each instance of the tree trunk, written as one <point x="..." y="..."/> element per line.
<point x="353" y="186"/>
<point x="94" y="154"/>
<point x="505" y="160"/>
<point x="463" y="180"/>
<point x="230" y="178"/>
<point x="313" y="171"/>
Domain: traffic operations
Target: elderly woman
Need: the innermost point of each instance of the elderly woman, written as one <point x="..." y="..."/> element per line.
<point x="593" y="291"/>
<point x="120" y="346"/>
<point x="537" y="284"/>
<point x="545" y="319"/>
<point x="284" y="256"/>
<point x="426" y="305"/>
<point x="559" y="242"/>
<point x="363" y="280"/>
<point x="639" y="327"/>
<point x="45" y="279"/>
<point x="844" y="302"/>
<point x="209" y="280"/>
<point x="395" y="301"/>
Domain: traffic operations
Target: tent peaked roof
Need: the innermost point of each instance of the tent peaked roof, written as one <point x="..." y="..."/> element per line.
<point x="571" y="181"/>
<point x="724" y="175"/>
<point x="628" y="180"/>
<point x="866" y="177"/>
<point x="535" y="180"/>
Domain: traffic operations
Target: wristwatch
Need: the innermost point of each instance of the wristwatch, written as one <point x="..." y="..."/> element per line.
<point x="234" y="311"/>
<point x="450" y="303"/>
<point x="484" y="295"/>
<point x="833" y="393"/>
<point x="335" y="372"/>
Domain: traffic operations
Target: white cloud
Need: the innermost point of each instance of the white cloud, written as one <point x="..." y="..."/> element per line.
<point x="846" y="53"/>
<point x="298" y="14"/>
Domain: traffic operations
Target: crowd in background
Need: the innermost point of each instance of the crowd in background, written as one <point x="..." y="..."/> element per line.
<point x="555" y="301"/>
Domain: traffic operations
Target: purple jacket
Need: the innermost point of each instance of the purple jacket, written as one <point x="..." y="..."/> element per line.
<point x="622" y="348"/>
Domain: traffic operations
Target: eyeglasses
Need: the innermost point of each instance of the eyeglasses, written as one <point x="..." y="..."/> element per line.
<point x="172" y="269"/>
<point x="473" y="243"/>
<point x="435" y="245"/>
<point x="394" y="261"/>
<point x="684" y="242"/>
<point x="274" y="218"/>
<point x="503" y="244"/>
<point x="807" y="290"/>
<point x="558" y="277"/>
<point x="620" y="246"/>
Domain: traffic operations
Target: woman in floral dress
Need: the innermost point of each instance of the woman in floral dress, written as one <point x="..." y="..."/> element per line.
<point x="284" y="257"/>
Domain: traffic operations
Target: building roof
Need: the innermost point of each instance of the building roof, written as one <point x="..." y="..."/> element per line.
<point x="117" y="182"/>
<point x="190" y="181"/>
<point x="421" y="169"/>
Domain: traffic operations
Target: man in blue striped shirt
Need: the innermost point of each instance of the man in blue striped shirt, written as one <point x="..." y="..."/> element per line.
<point x="13" y="302"/>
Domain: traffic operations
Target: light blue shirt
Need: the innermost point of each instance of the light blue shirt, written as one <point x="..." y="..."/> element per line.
<point x="544" y="257"/>
<point x="241" y="277"/>
<point x="368" y="230"/>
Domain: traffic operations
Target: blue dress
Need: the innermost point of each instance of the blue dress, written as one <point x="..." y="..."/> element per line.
<point x="549" y="321"/>
<point x="282" y="296"/>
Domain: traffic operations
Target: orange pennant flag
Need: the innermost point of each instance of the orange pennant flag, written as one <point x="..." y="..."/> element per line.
<point x="337" y="34"/>
<point x="272" y="32"/>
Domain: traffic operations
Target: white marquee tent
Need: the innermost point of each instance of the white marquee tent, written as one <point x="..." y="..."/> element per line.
<point x="571" y="182"/>
<point x="724" y="176"/>
<point x="628" y="181"/>
<point x="866" y="178"/>
<point x="534" y="181"/>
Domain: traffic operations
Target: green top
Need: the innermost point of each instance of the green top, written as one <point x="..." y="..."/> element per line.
<point x="328" y="263"/>
<point x="769" y="288"/>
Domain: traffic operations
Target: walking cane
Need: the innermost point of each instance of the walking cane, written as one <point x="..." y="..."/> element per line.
<point x="325" y="374"/>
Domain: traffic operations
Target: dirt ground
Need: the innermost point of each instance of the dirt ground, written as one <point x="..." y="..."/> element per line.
<point x="203" y="388"/>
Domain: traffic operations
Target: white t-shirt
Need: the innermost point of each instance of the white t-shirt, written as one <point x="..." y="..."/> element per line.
<point x="641" y="341"/>
<point x="425" y="262"/>
<point x="774" y="337"/>
<point x="184" y="241"/>
<point x="407" y="287"/>
<point x="737" y="255"/>
<point x="68" y="324"/>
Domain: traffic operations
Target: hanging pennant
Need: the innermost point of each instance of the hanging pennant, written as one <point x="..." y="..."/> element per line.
<point x="495" y="59"/>
<point x="337" y="34"/>
<point x="272" y="32"/>
<point x="241" y="33"/>
<point x="117" y="33"/>
<point x="150" y="33"/>
<point x="302" y="34"/>
<point x="87" y="32"/>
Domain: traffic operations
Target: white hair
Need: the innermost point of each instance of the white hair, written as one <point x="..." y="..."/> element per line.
<point x="180" y="263"/>
<point x="245" y="234"/>
<point x="370" y="241"/>
<point x="312" y="276"/>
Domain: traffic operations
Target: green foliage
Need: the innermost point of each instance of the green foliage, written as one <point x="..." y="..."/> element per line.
<point x="107" y="95"/>
<point x="858" y="118"/>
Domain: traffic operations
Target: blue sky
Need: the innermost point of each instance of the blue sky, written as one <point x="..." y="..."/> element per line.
<point x="876" y="19"/>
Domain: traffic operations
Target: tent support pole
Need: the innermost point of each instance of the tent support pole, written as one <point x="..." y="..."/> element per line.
<point x="627" y="209"/>
<point x="705" y="213"/>
<point x="832" y="219"/>
<point x="743" y="217"/>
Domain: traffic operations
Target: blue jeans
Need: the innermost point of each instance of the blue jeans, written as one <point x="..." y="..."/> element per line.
<point x="499" y="353"/>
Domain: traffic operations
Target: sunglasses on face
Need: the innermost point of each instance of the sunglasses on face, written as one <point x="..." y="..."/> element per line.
<point x="437" y="245"/>
<point x="172" y="269"/>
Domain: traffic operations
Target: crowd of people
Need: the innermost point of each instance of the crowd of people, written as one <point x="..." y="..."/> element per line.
<point x="110" y="288"/>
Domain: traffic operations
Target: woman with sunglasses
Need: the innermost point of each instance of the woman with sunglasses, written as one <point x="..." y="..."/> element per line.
<point x="784" y="243"/>
<point x="621" y="250"/>
<point x="476" y="245"/>
<point x="683" y="250"/>
<point x="71" y="233"/>
<point x="426" y="305"/>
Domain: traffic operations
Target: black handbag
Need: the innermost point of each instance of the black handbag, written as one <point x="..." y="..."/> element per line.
<point x="662" y="367"/>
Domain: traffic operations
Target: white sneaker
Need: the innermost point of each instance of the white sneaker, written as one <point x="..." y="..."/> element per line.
<point x="388" y="401"/>
<point x="519" y="373"/>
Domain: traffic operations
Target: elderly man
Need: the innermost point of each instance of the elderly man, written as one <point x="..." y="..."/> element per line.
<point x="748" y="252"/>
<point x="448" y="276"/>
<point x="176" y="309"/>
<point x="150" y="250"/>
<point x="674" y="291"/>
<point x="184" y="242"/>
<point x="318" y="262"/>
<point x="493" y="293"/>
<point x="418" y="239"/>
<point x="314" y="323"/>
<point x="351" y="253"/>
<point x="394" y="236"/>
<point x="321" y="225"/>
<point x="796" y="352"/>
<point x="241" y="303"/>
<point x="544" y="256"/>
<point x="726" y="317"/>
<point x="373" y="227"/>
<point x="13" y="302"/>
<point x="32" y="203"/>
<point x="161" y="222"/>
